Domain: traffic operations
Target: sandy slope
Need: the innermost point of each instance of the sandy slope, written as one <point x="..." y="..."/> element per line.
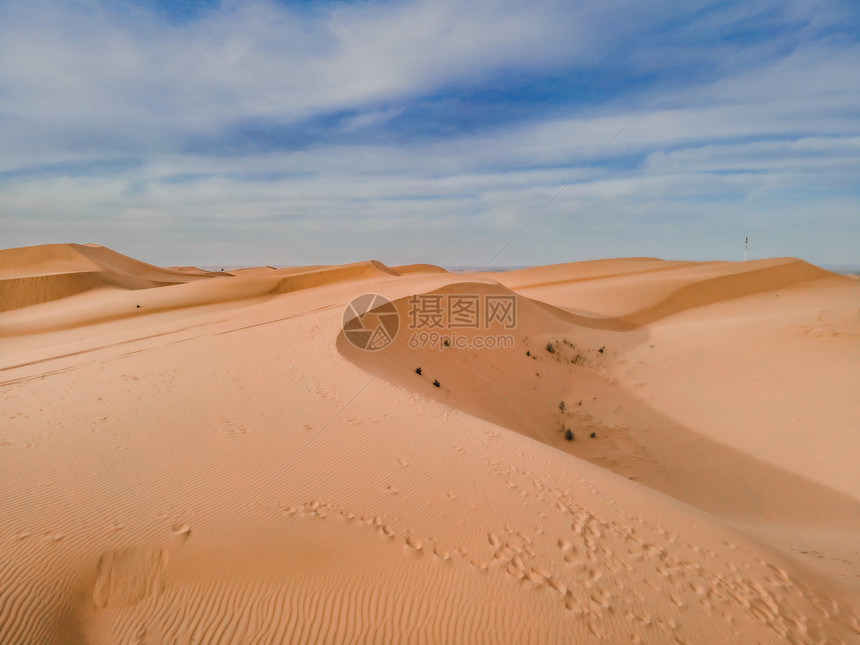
<point x="221" y="466"/>
<point x="36" y="274"/>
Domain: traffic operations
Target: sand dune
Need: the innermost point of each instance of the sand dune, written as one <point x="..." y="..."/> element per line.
<point x="221" y="465"/>
<point x="36" y="274"/>
<point x="523" y="386"/>
<point x="707" y="289"/>
<point x="640" y="291"/>
<point x="318" y="277"/>
<point x="195" y="271"/>
<point x="124" y="297"/>
<point x="418" y="268"/>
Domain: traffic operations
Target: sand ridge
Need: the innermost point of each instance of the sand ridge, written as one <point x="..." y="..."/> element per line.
<point x="36" y="274"/>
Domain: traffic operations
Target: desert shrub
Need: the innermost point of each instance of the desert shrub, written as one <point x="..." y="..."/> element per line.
<point x="436" y="383"/>
<point x="418" y="371"/>
<point x="568" y="435"/>
<point x="593" y="435"/>
<point x="561" y="406"/>
<point x="550" y="348"/>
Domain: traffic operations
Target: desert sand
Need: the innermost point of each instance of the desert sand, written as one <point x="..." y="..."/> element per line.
<point x="205" y="457"/>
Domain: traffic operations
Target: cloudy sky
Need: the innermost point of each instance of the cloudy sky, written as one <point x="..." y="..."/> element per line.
<point x="319" y="132"/>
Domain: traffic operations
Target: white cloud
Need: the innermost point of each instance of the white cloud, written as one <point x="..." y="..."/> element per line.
<point x="113" y="122"/>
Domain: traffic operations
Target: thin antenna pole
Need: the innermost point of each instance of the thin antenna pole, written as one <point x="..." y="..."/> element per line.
<point x="746" y="246"/>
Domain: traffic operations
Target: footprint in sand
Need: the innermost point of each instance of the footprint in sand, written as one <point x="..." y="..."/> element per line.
<point x="442" y="555"/>
<point x="480" y="566"/>
<point x="502" y="556"/>
<point x="181" y="530"/>
<point x="541" y="572"/>
<point x="289" y="510"/>
<point x="413" y="543"/>
<point x="535" y="579"/>
<point x="514" y="545"/>
<point x="514" y="572"/>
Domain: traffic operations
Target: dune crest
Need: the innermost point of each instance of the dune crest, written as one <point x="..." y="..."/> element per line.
<point x="419" y="268"/>
<point x="37" y="274"/>
<point x="74" y="272"/>
<point x="328" y="275"/>
<point x="740" y="282"/>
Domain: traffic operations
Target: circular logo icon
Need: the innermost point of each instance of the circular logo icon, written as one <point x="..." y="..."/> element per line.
<point x="370" y="322"/>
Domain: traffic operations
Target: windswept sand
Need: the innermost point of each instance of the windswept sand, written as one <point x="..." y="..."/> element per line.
<point x="203" y="457"/>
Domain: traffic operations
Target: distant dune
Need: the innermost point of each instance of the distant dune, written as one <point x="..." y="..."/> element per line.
<point x="36" y="274"/>
<point x="419" y="268"/>
<point x="624" y="450"/>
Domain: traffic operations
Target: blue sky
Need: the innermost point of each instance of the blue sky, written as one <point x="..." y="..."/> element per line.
<point x="432" y="131"/>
